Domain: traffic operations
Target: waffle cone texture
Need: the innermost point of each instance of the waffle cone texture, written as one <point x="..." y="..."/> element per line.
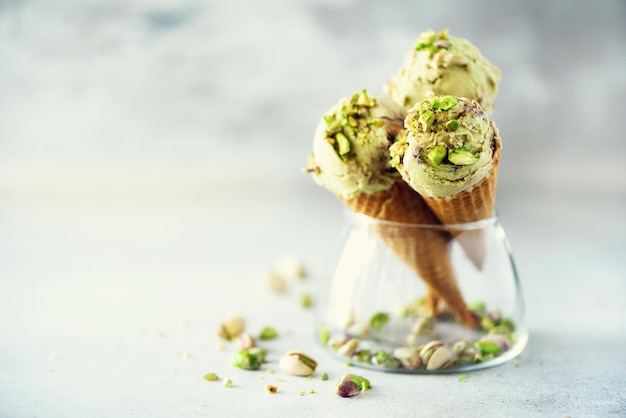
<point x="424" y="250"/>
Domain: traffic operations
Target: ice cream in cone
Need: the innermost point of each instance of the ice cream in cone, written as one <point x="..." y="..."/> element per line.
<point x="443" y="64"/>
<point x="451" y="157"/>
<point x="351" y="159"/>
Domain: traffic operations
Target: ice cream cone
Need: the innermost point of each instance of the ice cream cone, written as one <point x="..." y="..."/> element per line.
<point x="471" y="205"/>
<point x="425" y="251"/>
<point x="451" y="157"/>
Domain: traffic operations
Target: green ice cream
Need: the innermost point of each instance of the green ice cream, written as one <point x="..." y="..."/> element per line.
<point x="351" y="145"/>
<point x="443" y="64"/>
<point x="449" y="147"/>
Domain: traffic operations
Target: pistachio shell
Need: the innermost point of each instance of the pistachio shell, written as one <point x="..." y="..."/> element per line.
<point x="297" y="364"/>
<point x="439" y="358"/>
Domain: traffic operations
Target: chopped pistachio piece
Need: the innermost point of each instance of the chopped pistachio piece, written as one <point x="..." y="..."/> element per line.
<point x="271" y="389"/>
<point x="462" y="156"/>
<point x="426" y="119"/>
<point x="306" y="301"/>
<point x="324" y="376"/>
<point x="444" y="102"/>
<point x="227" y="383"/>
<point x="343" y="144"/>
<point x="232" y="327"/>
<point x="379" y="320"/>
<point x="247" y="360"/>
<point x="488" y="347"/>
<point x="276" y="282"/>
<point x="478" y="306"/>
<point x="452" y="125"/>
<point x="437" y="154"/>
<point x="363" y="356"/>
<point x="210" y="377"/>
<point x="364" y="100"/>
<point x="268" y="333"/>
<point x="323" y="334"/>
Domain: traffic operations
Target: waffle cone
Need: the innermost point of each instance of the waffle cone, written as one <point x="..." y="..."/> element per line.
<point x="471" y="205"/>
<point x="425" y="251"/>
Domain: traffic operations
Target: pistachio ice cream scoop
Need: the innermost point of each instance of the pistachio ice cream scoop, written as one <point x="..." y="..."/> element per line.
<point x="443" y="64"/>
<point x="449" y="148"/>
<point x="351" y="145"/>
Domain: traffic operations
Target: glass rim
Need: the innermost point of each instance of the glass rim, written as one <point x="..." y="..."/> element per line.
<point x="362" y="218"/>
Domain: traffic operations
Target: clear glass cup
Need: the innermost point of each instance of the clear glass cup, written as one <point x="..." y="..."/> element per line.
<point x="376" y="310"/>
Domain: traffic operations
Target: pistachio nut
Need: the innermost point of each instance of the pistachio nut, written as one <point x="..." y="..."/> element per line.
<point x="244" y="359"/>
<point x="210" y="377"/>
<point x="246" y="341"/>
<point x="379" y="320"/>
<point x="409" y="357"/>
<point x="349" y="347"/>
<point x="337" y="340"/>
<point x="360" y="330"/>
<point x="465" y="350"/>
<point x="501" y="341"/>
<point x="232" y="327"/>
<point x="384" y="359"/>
<point x="291" y="268"/>
<point x="435" y="355"/>
<point x="478" y="306"/>
<point x="423" y="325"/>
<point x="306" y="300"/>
<point x="351" y="385"/>
<point x="297" y="364"/>
<point x="363" y="356"/>
<point x="268" y="333"/>
<point x="323" y="334"/>
<point x="276" y="281"/>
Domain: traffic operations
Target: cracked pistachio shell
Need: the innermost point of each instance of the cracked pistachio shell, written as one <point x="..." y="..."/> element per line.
<point x="439" y="358"/>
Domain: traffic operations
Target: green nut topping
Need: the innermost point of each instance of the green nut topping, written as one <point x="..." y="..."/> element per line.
<point x="343" y="144"/>
<point x="379" y="320"/>
<point x="462" y="156"/>
<point x="432" y="41"/>
<point x="444" y="102"/>
<point x="344" y="125"/>
<point x="426" y="119"/>
<point x="452" y="125"/>
<point x="362" y="99"/>
<point x="437" y="154"/>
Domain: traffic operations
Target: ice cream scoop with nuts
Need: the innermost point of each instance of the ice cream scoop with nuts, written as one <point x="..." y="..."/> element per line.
<point x="450" y="146"/>
<point x="444" y="64"/>
<point x="351" y="145"/>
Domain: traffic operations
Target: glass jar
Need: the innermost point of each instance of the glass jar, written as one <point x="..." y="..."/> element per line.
<point x="422" y="298"/>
